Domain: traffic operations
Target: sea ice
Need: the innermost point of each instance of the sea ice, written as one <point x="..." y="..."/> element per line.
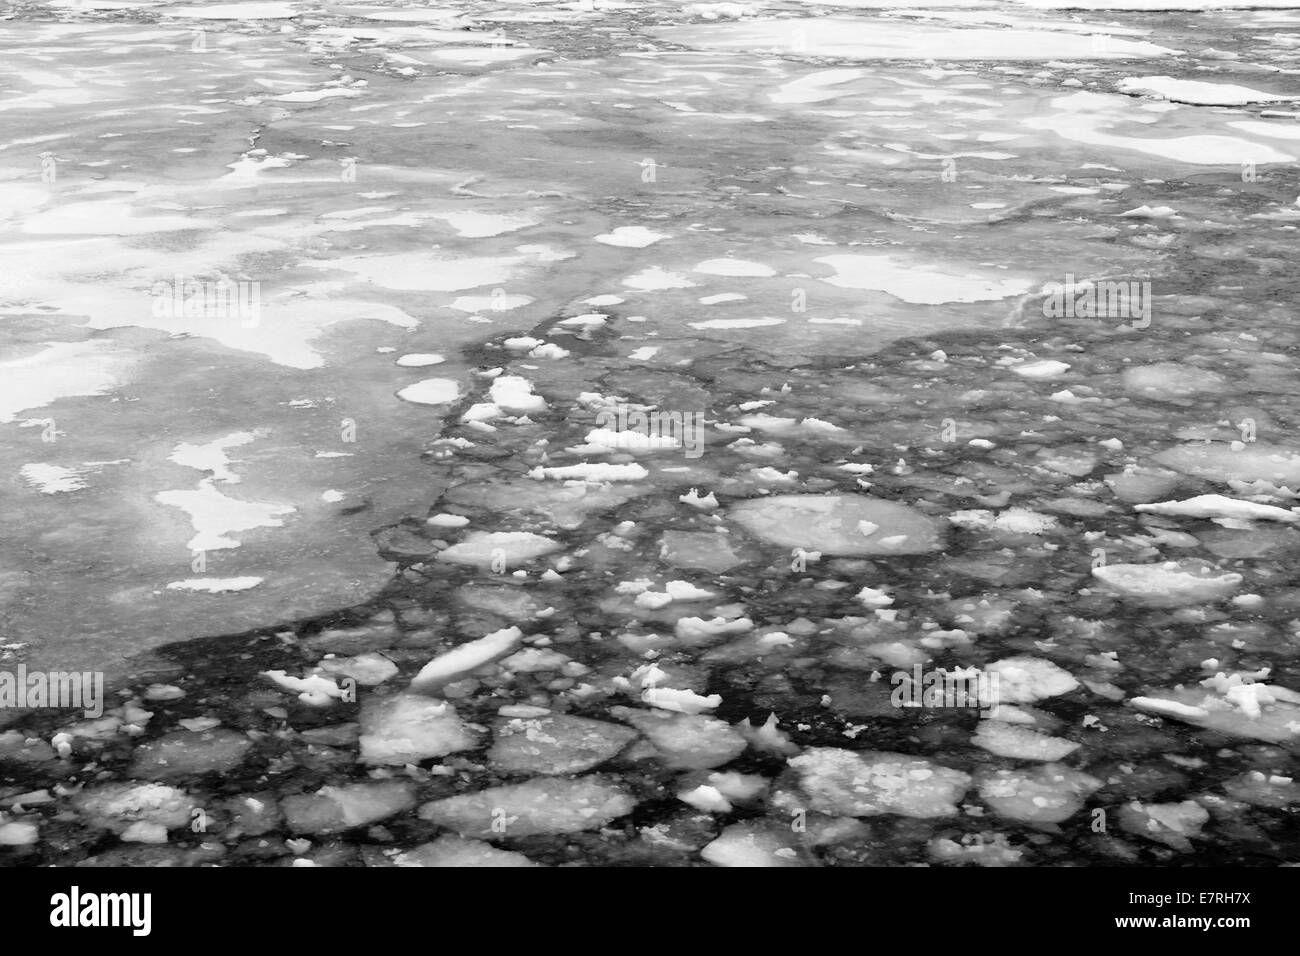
<point x="1218" y="506"/>
<point x="504" y="548"/>
<point x="755" y="844"/>
<point x="465" y="658"/>
<point x="1220" y="461"/>
<point x="589" y="471"/>
<point x="735" y="267"/>
<point x="335" y="809"/>
<point x="556" y="744"/>
<point x="1047" y="794"/>
<point x="409" y="728"/>
<point x="916" y="283"/>
<point x="844" y="38"/>
<point x="454" y="851"/>
<point x="513" y="393"/>
<point x="1043" y="369"/>
<point x="182" y="752"/>
<point x="1024" y="680"/>
<point x="632" y="237"/>
<point x="686" y="741"/>
<point x="1173" y="824"/>
<point x="1171" y="584"/>
<point x="1196" y="92"/>
<point x="544" y="805"/>
<point x="869" y="783"/>
<point x="832" y="524"/>
<point x="1007" y="740"/>
<point x="1237" y="705"/>
<point x="117" y="806"/>
<point x="1169" y="381"/>
<point x="419" y="359"/>
<point x="431" y="391"/>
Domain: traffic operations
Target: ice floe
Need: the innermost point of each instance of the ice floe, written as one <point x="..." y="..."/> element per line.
<point x="450" y="850"/>
<point x="409" y="728"/>
<point x="631" y="237"/>
<point x="1051" y="793"/>
<point x="834" y="524"/>
<point x="872" y="39"/>
<point x="686" y="741"/>
<point x="1024" y="680"/>
<point x="503" y="548"/>
<point x="1225" y="462"/>
<point x="545" y="805"/>
<point x="1007" y="740"/>
<point x="755" y="844"/>
<point x="431" y="391"/>
<point x="869" y="783"/>
<point x="513" y="393"/>
<point x="556" y="744"/>
<point x="466" y="657"/>
<point x="1244" y="706"/>
<point x="335" y="809"/>
<point x="52" y="479"/>
<point x="918" y="284"/>
<point x="1196" y="92"/>
<point x="735" y="267"/>
<point x="1219" y="506"/>
<point x="1169" y="584"/>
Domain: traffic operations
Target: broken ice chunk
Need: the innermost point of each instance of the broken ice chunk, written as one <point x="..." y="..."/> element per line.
<point x="685" y="741"/>
<point x="1011" y="521"/>
<point x="333" y="809"/>
<point x="1043" y="369"/>
<point x="184" y="753"/>
<point x="874" y="598"/>
<point x="1047" y="794"/>
<point x="831" y="524"/>
<point x="544" y="805"/>
<point x="755" y="844"/>
<point x="556" y="744"/>
<point x="460" y="660"/>
<point x="706" y="503"/>
<point x="695" y="630"/>
<point x="314" y="690"/>
<point x="498" y="549"/>
<point x="409" y="728"/>
<point x="1006" y="740"/>
<point x="1171" y="584"/>
<point x="868" y="783"/>
<point x="453" y="851"/>
<point x="431" y="391"/>
<point x="116" y="806"/>
<point x="513" y="393"/>
<point x="368" y="670"/>
<point x="1172" y="824"/>
<point x="1023" y="680"/>
<point x="706" y="798"/>
<point x="1221" y="462"/>
<point x="681" y="701"/>
<point x="768" y="737"/>
<point x="1171" y="381"/>
<point x="1234" y="704"/>
<point x="1219" y="506"/>
<point x="588" y="471"/>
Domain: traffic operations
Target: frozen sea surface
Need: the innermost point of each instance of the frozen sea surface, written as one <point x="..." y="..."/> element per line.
<point x="969" y="327"/>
